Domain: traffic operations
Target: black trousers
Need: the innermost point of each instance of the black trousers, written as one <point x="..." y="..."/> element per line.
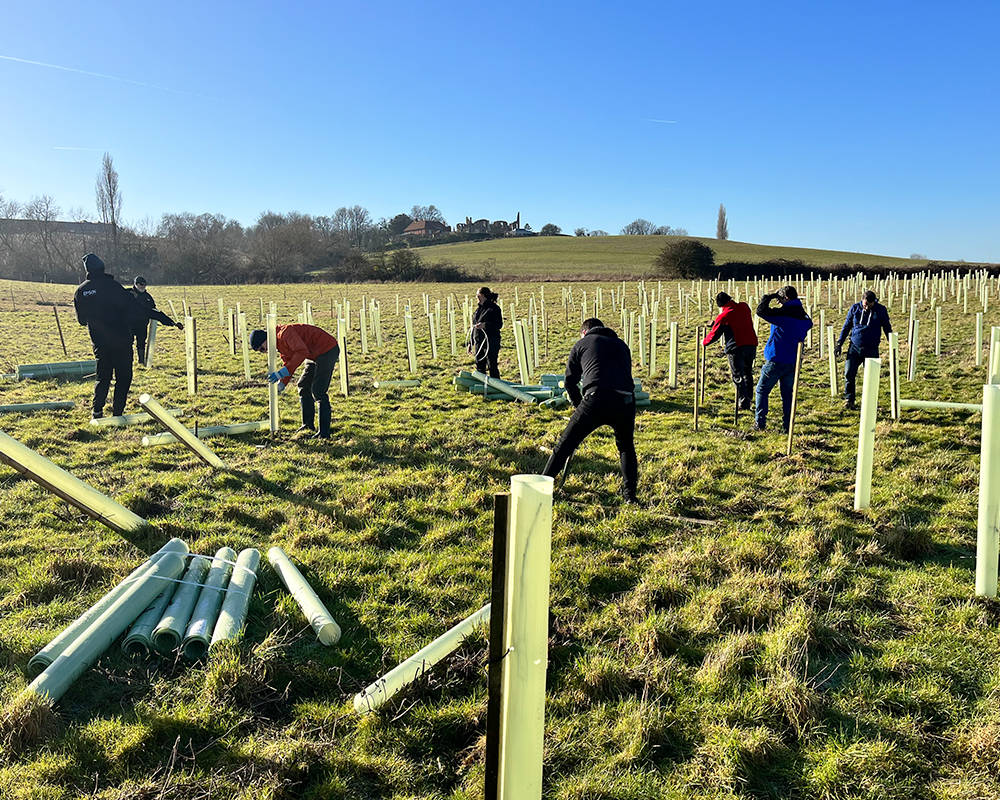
<point x="140" y="343"/>
<point x="601" y="407"/>
<point x="741" y="367"/>
<point x="314" y="385"/>
<point x="486" y="350"/>
<point x="852" y="363"/>
<point x="113" y="359"/>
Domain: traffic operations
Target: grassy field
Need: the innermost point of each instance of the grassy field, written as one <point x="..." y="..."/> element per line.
<point x="742" y="634"/>
<point x="610" y="257"/>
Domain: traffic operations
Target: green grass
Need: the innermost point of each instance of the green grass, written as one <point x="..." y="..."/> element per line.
<point x="744" y="634"/>
<point x="610" y="257"/>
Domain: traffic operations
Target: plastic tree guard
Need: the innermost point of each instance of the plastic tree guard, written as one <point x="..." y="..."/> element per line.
<point x="53" y="649"/>
<point x="129" y="419"/>
<point x="28" y="408"/>
<point x="401" y="676"/>
<point x="209" y="431"/>
<point x="69" y="488"/>
<point x="99" y="635"/>
<point x="233" y="615"/>
<point x="327" y="630"/>
<point x="206" y="611"/>
<point x="169" y="631"/>
<point x="183" y="434"/>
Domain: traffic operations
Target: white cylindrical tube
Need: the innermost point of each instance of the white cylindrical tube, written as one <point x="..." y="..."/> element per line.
<point x="233" y="614"/>
<point x="68" y="487"/>
<point x="987" y="534"/>
<point x="129" y="419"/>
<point x="208" y="431"/>
<point x="866" y="435"/>
<point x="832" y="357"/>
<point x="939" y="405"/>
<point x="151" y="343"/>
<point x="327" y="629"/>
<point x="401" y="676"/>
<point x="183" y="434"/>
<point x="894" y="407"/>
<point x="672" y="366"/>
<point x="526" y="640"/>
<point x="411" y="350"/>
<point x="27" y="408"/>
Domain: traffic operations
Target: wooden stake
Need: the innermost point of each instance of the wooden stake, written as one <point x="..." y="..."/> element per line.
<point x="62" y="341"/>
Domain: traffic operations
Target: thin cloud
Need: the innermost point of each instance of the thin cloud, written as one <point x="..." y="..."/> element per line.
<point x="662" y="121"/>
<point x="95" y="75"/>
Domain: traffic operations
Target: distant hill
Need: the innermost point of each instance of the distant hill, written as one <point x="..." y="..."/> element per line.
<point x="538" y="257"/>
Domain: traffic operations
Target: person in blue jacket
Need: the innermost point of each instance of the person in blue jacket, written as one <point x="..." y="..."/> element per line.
<point x="789" y="325"/>
<point x="865" y="323"/>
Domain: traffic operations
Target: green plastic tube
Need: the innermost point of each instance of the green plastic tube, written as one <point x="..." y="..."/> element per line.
<point x="233" y="615"/>
<point x="169" y="631"/>
<point x="327" y="630"/>
<point x="44" y="657"/>
<point x="60" y="369"/>
<point x="395" y="384"/>
<point x="210" y="430"/>
<point x="102" y="632"/>
<point x="128" y="419"/>
<point x="138" y="642"/>
<point x="27" y="408"/>
<point x="206" y="611"/>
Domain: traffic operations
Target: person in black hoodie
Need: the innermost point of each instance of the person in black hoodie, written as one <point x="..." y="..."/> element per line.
<point x="484" y="338"/>
<point x="140" y="326"/>
<point x="109" y="311"/>
<point x="599" y="383"/>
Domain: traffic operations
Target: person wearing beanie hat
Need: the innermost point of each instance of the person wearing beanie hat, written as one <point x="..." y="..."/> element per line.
<point x="109" y="311"/>
<point x="320" y="352"/>
<point x="140" y="325"/>
<point x="484" y="337"/>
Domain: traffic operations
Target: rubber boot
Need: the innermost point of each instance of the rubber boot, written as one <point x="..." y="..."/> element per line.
<point x="308" y="412"/>
<point x="325" y="413"/>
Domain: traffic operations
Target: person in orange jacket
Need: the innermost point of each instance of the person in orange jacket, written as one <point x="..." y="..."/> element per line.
<point x="320" y="352"/>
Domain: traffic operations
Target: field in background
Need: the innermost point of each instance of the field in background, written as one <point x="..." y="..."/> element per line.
<point x="744" y="634"/>
<point x="611" y="257"/>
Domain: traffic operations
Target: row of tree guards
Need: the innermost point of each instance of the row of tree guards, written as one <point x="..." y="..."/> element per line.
<point x="186" y="603"/>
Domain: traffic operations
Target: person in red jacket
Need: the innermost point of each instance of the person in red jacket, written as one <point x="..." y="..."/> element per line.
<point x="320" y="352"/>
<point x="739" y="340"/>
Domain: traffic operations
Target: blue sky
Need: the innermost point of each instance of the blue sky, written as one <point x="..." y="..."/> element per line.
<point x="857" y="126"/>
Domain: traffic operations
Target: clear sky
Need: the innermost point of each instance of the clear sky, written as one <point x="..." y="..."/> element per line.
<point x="841" y="125"/>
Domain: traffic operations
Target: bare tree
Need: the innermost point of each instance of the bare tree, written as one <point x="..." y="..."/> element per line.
<point x="639" y="227"/>
<point x="430" y="212"/>
<point x="721" y="224"/>
<point x="9" y="210"/>
<point x="109" y="197"/>
<point x="44" y="214"/>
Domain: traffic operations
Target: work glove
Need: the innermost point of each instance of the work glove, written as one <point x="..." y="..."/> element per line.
<point x="276" y="376"/>
<point x="837" y="351"/>
<point x="179" y="326"/>
<point x="282" y="387"/>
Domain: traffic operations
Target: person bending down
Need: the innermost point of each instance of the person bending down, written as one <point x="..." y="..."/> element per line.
<point x="599" y="383"/>
<point x="739" y="339"/>
<point x="320" y="351"/>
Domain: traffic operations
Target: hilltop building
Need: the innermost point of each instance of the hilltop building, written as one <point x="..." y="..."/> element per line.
<point x="426" y="228"/>
<point x="498" y="227"/>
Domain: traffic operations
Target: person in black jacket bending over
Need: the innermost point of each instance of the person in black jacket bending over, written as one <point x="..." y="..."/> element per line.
<point x="864" y="324"/>
<point x="484" y="338"/>
<point x="109" y="311"/>
<point x="599" y="383"/>
<point x="141" y="322"/>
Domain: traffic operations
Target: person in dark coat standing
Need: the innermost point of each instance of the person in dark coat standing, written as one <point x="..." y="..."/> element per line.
<point x="140" y="327"/>
<point x="864" y="324"/>
<point x="109" y="311"/>
<point x="739" y="342"/>
<point x="484" y="338"/>
<point x="600" y="384"/>
<point x="789" y="326"/>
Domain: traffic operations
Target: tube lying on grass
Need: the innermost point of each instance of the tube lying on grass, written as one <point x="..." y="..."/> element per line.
<point x="210" y="430"/>
<point x="71" y="489"/>
<point x="130" y="419"/>
<point x="183" y="434"/>
<point x="939" y="405"/>
<point x="54" y="649"/>
<point x="102" y="632"/>
<point x="382" y="690"/>
<point x="501" y="386"/>
<point x="169" y="631"/>
<point x="138" y="642"/>
<point x="233" y="615"/>
<point x="327" y="630"/>
<point x="395" y="384"/>
<point x="59" y="369"/>
<point x="27" y="408"/>
<point x="206" y="611"/>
